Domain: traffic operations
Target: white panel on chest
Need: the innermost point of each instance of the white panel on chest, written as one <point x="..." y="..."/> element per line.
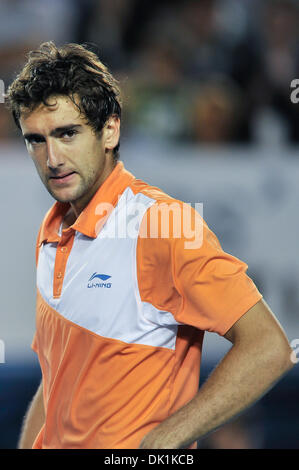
<point x="100" y="287"/>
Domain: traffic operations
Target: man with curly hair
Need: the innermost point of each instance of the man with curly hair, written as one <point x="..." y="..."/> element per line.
<point x="120" y="319"/>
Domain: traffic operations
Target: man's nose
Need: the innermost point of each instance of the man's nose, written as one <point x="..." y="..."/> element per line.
<point x="54" y="155"/>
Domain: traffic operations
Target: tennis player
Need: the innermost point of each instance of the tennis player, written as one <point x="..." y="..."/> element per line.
<point x="122" y="307"/>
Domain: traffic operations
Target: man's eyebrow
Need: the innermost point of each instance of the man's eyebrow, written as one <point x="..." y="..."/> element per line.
<point x="60" y="130"/>
<point x="54" y="132"/>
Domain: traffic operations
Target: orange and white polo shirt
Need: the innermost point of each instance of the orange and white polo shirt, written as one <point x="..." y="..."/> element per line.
<point x="121" y="315"/>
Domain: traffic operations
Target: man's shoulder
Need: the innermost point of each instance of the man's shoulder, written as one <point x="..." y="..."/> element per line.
<point x="167" y="220"/>
<point x="158" y="195"/>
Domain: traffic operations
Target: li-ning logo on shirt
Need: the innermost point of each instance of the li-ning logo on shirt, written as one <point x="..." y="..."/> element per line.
<point x="102" y="277"/>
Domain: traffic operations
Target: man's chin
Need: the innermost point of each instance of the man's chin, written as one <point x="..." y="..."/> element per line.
<point x="64" y="198"/>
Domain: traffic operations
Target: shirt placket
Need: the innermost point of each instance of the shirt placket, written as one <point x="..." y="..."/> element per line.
<point x="62" y="253"/>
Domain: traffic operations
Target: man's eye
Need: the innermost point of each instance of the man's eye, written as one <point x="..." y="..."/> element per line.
<point x="69" y="133"/>
<point x="35" y="140"/>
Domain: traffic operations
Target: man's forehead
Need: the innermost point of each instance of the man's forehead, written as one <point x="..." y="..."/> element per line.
<point x="61" y="108"/>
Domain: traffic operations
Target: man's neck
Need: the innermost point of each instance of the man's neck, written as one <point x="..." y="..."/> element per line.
<point x="69" y="219"/>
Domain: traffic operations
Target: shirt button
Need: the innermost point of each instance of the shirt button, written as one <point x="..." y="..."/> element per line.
<point x="59" y="275"/>
<point x="63" y="249"/>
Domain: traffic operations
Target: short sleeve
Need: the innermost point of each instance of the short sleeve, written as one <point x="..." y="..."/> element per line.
<point x="34" y="343"/>
<point x="37" y="245"/>
<point x="200" y="284"/>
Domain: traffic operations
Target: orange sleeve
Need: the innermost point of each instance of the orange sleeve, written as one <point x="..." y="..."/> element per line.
<point x="37" y="247"/>
<point x="34" y="341"/>
<point x="202" y="286"/>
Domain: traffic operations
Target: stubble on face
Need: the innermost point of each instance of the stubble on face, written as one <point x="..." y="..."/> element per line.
<point x="76" y="192"/>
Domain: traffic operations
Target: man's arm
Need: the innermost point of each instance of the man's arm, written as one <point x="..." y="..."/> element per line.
<point x="34" y="420"/>
<point x="260" y="355"/>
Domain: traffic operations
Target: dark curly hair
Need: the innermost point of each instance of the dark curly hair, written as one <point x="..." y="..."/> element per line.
<point x="71" y="70"/>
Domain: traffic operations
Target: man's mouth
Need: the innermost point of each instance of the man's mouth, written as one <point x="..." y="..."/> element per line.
<point x="63" y="178"/>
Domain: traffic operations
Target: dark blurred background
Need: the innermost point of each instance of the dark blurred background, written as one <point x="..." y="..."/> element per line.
<point x="207" y="117"/>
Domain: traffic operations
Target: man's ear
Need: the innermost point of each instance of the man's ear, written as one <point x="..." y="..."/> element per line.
<point x="111" y="132"/>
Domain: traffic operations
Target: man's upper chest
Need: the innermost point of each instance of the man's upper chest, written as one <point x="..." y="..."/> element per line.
<point x="93" y="281"/>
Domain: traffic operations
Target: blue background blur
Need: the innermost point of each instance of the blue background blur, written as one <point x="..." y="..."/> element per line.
<point x="208" y="118"/>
